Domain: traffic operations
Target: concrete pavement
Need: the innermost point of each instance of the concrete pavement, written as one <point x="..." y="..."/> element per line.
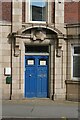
<point x="40" y="108"/>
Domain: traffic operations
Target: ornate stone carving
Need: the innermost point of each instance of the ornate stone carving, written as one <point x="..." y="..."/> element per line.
<point x="39" y="35"/>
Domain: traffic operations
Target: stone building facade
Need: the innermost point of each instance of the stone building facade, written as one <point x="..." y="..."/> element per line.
<point x="40" y="49"/>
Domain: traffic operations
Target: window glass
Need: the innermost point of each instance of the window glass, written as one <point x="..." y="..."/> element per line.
<point x="76" y="62"/>
<point x="36" y="49"/>
<point x="76" y="66"/>
<point x="37" y="10"/>
<point x="76" y="50"/>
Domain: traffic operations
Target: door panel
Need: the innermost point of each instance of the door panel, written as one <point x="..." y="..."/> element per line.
<point x="36" y="76"/>
<point x="42" y="81"/>
<point x="30" y="82"/>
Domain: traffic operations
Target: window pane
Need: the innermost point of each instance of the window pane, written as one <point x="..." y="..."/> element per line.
<point x="76" y="66"/>
<point x="38" y="10"/>
<point x="76" y="50"/>
<point x="36" y="49"/>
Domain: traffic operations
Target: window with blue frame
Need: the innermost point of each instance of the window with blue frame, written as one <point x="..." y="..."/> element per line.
<point x="38" y="10"/>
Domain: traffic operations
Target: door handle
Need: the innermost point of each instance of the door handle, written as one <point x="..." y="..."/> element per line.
<point x="30" y="75"/>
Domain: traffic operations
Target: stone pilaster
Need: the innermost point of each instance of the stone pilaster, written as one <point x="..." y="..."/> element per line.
<point x="59" y="15"/>
<point x="49" y="12"/>
<point x="1" y="72"/>
<point x="16" y="15"/>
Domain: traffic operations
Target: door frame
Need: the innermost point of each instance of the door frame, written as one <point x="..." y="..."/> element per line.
<point x="50" y="69"/>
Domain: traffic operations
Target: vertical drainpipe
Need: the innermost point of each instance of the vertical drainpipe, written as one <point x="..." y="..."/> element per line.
<point x="11" y="56"/>
<point x="20" y="70"/>
<point x="62" y="69"/>
<point x="54" y="58"/>
<point x="66" y="60"/>
<point x="53" y="70"/>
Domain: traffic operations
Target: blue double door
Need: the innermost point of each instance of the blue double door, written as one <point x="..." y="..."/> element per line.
<point x="36" y="76"/>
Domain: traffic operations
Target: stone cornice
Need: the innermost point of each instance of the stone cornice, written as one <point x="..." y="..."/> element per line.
<point x="72" y="81"/>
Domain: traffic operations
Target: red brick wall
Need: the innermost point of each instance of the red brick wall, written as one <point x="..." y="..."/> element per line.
<point x="6" y="11"/>
<point x="53" y="12"/>
<point x="0" y="11"/>
<point x="23" y="12"/>
<point x="79" y="12"/>
<point x="5" y="15"/>
<point x="71" y="12"/>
